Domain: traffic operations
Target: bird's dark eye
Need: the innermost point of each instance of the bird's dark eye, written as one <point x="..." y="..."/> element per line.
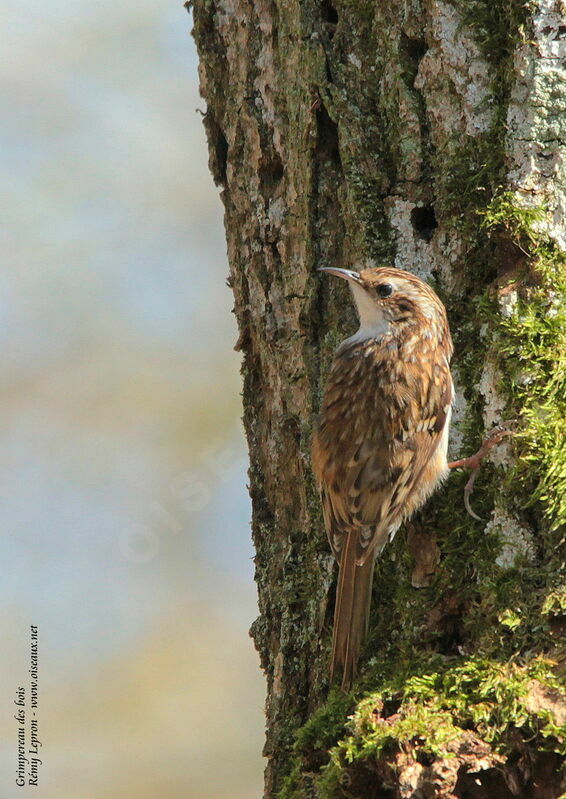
<point x="384" y="290"/>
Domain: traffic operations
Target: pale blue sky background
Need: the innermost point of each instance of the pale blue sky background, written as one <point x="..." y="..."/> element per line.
<point x="124" y="514"/>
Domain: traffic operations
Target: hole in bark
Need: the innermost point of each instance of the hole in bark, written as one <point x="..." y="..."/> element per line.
<point x="411" y="52"/>
<point x="328" y="143"/>
<point x="424" y="758"/>
<point x="550" y="31"/>
<point x="482" y="785"/>
<point x="414" y="48"/>
<point x="390" y="707"/>
<point x="450" y="643"/>
<point x="219" y="151"/>
<point x="329" y="13"/>
<point x="445" y="623"/>
<point x="329" y="17"/>
<point x="270" y="173"/>
<point x="424" y="222"/>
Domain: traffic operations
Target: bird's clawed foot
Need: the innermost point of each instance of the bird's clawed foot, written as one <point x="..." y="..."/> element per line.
<point x="474" y="462"/>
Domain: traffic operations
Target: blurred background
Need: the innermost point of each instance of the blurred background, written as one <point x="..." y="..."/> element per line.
<point x="124" y="512"/>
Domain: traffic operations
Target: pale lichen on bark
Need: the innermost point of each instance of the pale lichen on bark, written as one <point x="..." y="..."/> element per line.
<point x="536" y="116"/>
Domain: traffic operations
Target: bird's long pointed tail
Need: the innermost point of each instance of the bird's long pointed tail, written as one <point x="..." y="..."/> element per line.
<point x="351" y="612"/>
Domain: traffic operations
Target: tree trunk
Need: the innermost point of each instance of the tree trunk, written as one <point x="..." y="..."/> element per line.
<point x="428" y="135"/>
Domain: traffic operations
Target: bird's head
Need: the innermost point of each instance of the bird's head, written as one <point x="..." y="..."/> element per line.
<point x="392" y="301"/>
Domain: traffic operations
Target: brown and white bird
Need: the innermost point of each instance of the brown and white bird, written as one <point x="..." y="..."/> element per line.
<point x="379" y="450"/>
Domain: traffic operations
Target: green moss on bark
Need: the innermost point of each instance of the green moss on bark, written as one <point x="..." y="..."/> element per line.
<point x="530" y="346"/>
<point x="428" y="714"/>
<point x="432" y="715"/>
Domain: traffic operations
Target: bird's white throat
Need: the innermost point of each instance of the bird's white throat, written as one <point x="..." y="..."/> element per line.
<point x="373" y="324"/>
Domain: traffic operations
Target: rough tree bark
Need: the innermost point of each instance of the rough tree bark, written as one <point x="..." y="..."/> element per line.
<point x="428" y="134"/>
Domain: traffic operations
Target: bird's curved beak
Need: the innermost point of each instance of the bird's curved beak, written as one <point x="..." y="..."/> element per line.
<point x="347" y="274"/>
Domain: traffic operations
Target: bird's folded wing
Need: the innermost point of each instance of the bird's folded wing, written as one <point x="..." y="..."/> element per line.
<point x="369" y="486"/>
